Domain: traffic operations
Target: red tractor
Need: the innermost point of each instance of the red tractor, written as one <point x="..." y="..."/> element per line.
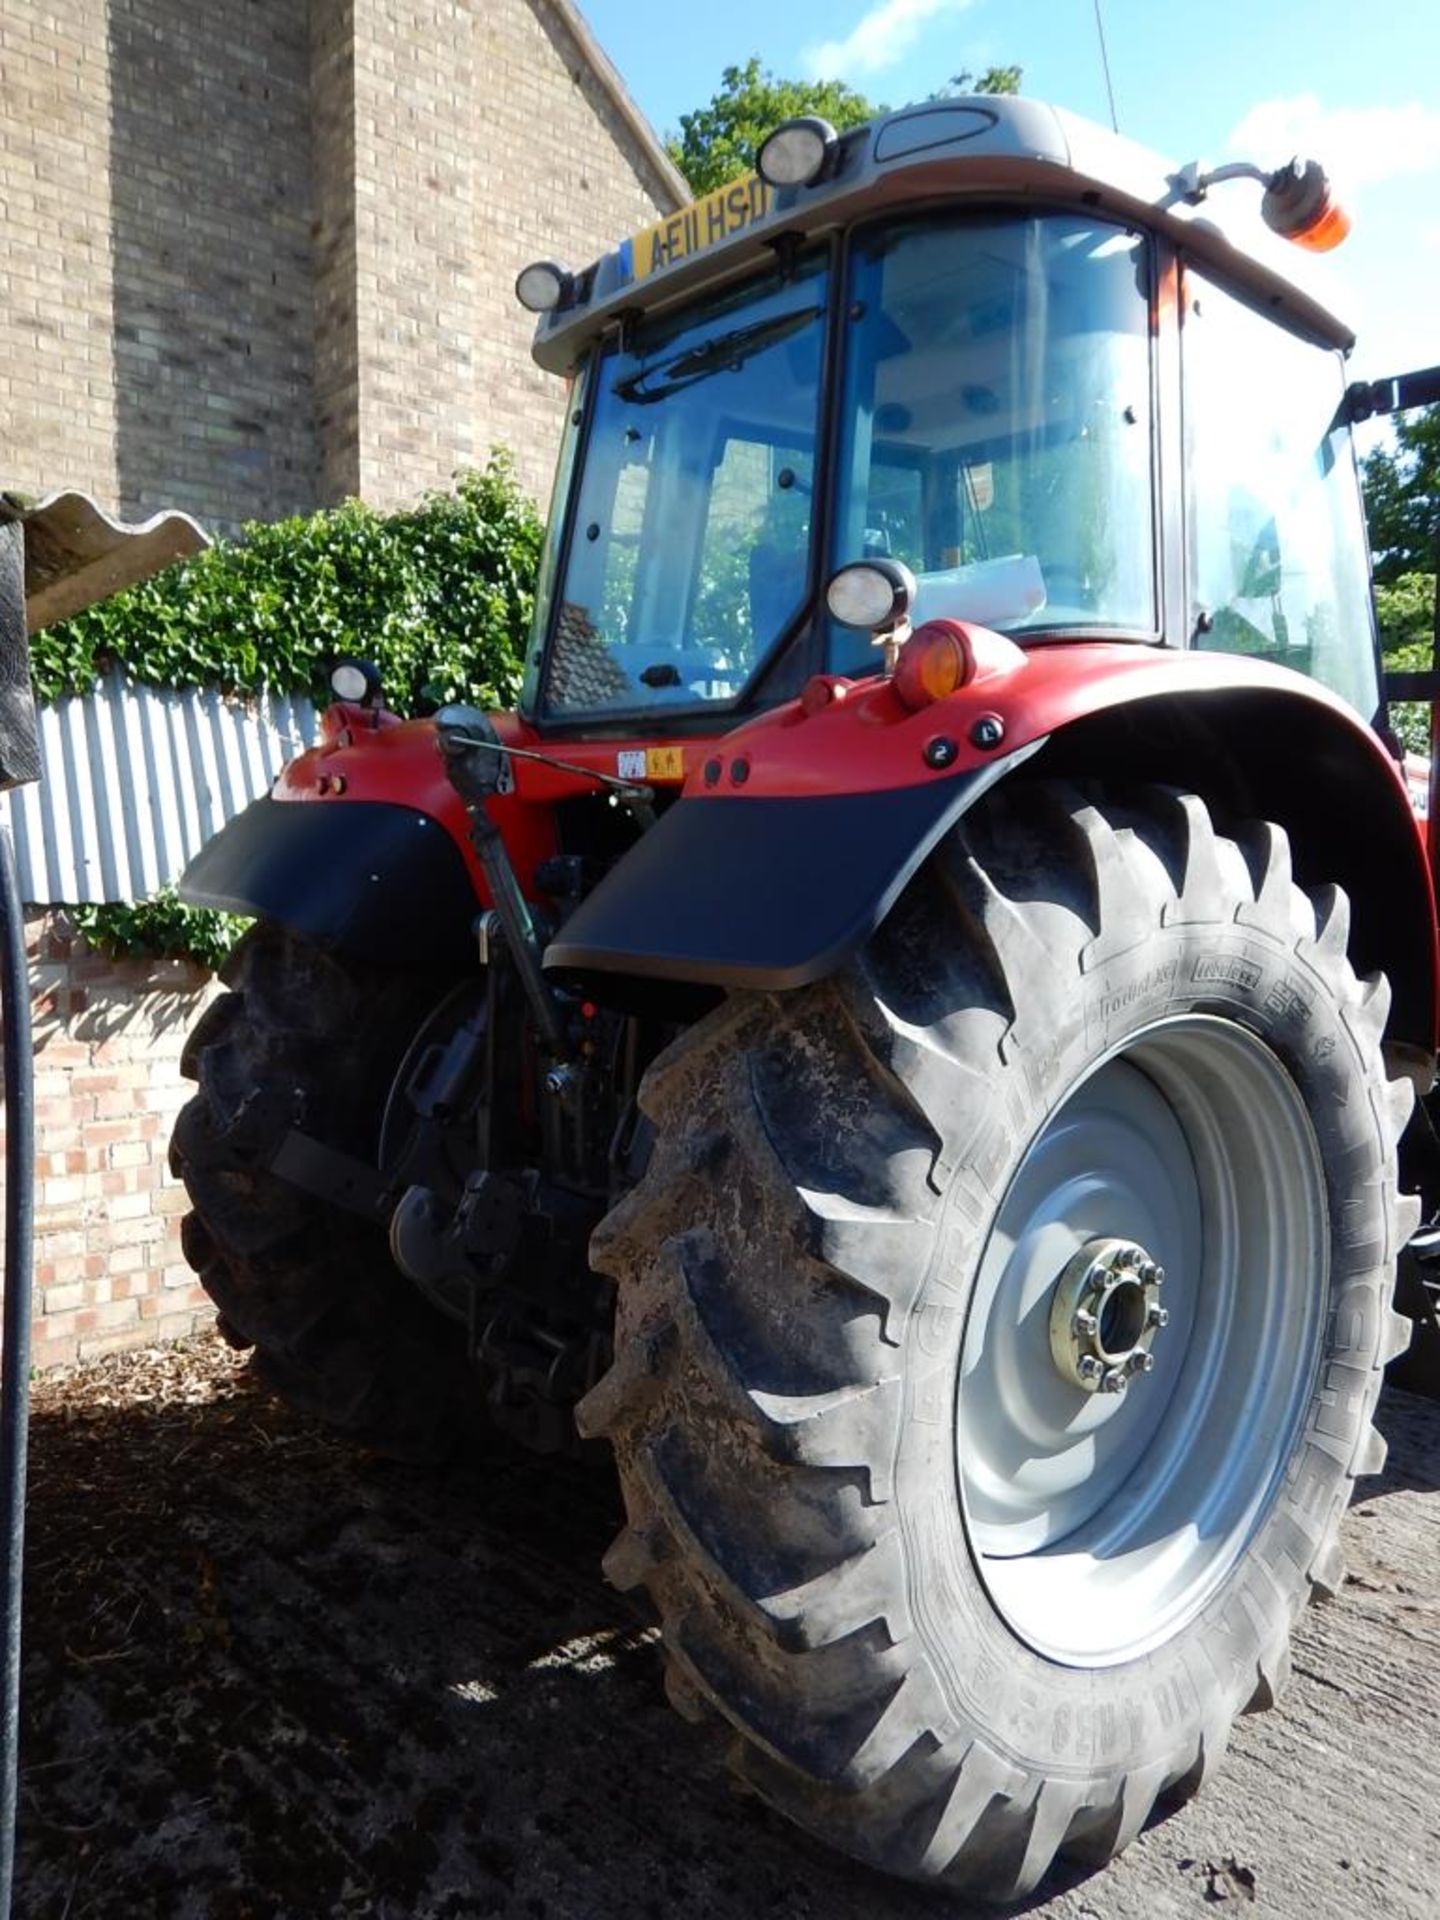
<point x="908" y="1031"/>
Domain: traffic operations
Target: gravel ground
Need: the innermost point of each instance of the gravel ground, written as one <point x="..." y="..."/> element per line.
<point x="267" y="1677"/>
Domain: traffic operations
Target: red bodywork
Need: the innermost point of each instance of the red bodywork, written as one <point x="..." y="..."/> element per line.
<point x="373" y="756"/>
<point x="839" y="737"/>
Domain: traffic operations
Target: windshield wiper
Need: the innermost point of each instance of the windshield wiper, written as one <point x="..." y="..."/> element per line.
<point x="727" y="351"/>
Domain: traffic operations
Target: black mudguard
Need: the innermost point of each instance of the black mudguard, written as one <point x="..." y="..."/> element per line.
<point x="383" y="882"/>
<point x="768" y="893"/>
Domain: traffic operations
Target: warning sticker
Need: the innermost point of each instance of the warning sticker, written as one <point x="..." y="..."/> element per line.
<point x="651" y="763"/>
<point x="664" y="763"/>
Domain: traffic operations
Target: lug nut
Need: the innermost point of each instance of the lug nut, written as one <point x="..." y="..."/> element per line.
<point x="1085" y="1323"/>
<point x="1141" y="1363"/>
<point x="1158" y="1317"/>
<point x="1088" y="1367"/>
<point x="1114" y="1381"/>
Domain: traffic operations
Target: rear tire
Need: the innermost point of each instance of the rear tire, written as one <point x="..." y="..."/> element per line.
<point x="305" y="1038"/>
<point x="834" y="1373"/>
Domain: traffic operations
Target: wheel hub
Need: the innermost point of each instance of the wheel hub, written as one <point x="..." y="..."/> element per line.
<point x="1105" y="1313"/>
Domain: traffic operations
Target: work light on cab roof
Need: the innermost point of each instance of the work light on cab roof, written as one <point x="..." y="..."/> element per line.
<point x="543" y="286"/>
<point x="797" y="152"/>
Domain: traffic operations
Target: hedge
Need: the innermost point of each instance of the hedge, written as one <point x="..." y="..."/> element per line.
<point x="439" y="596"/>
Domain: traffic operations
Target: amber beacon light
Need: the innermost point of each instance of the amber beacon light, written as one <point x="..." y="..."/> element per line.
<point x="1299" y="201"/>
<point x="1300" y="205"/>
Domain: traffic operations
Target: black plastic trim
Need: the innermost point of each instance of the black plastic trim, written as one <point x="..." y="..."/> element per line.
<point x="384" y="882"/>
<point x="765" y="893"/>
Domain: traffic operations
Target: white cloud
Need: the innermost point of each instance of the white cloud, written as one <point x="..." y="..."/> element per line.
<point x="1357" y="145"/>
<point x="878" y="40"/>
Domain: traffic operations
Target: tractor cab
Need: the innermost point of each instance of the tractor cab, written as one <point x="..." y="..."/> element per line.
<point x="981" y="339"/>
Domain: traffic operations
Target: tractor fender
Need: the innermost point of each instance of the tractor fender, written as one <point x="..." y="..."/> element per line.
<point x="363" y="845"/>
<point x="376" y="879"/>
<point x="793" y="840"/>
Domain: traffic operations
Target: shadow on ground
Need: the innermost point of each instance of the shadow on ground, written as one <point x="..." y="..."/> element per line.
<point x="268" y="1677"/>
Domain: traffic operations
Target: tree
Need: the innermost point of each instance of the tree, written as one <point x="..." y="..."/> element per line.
<point x="1402" y="497"/>
<point x="992" y="80"/>
<point x="1405" y="614"/>
<point x="719" y="141"/>
<point x="1402" y="504"/>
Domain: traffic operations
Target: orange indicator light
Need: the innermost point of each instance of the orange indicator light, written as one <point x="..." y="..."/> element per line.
<point x="934" y="662"/>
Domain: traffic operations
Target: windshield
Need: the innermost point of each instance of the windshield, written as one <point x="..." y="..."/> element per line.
<point x="689" y="538"/>
<point x="997" y="423"/>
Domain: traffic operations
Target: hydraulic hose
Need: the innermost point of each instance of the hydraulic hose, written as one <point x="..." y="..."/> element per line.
<point x="15" y="1368"/>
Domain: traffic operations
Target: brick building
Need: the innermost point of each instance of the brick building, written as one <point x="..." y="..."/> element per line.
<point x="260" y="256"/>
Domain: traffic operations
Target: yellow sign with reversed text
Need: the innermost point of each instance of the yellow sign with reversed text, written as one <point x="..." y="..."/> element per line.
<point x="727" y="211"/>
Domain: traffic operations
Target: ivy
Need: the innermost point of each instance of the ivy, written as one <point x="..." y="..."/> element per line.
<point x="160" y="928"/>
<point x="438" y="596"/>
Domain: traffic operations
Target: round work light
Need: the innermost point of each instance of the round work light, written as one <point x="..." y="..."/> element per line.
<point x="797" y="152"/>
<point x="542" y="286"/>
<point x="870" y="593"/>
<point x="356" y="682"/>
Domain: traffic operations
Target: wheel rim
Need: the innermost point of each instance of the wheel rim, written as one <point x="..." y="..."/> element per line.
<point x="1101" y="1522"/>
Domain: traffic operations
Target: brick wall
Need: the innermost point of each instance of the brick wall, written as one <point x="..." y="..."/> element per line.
<point x="261" y="256"/>
<point x="57" y="375"/>
<point x="212" y="276"/>
<point x="108" y="1268"/>
<point x="549" y="140"/>
<point x="485" y="139"/>
<point x="337" y="320"/>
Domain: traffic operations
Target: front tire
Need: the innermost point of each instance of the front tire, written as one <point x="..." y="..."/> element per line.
<point x="306" y="1038"/>
<point x="956" y="1611"/>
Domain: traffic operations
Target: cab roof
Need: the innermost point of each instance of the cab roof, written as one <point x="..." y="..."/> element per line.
<point x="985" y="146"/>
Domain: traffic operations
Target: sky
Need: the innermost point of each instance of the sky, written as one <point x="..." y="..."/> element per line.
<point x="1356" y="86"/>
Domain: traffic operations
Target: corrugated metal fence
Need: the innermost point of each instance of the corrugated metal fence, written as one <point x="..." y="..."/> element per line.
<point x="135" y="779"/>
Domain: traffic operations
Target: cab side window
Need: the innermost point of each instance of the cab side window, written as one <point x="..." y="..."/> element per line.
<point x="1276" y="535"/>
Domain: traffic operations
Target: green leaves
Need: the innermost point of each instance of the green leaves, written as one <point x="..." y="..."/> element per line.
<point x="1405" y="612"/>
<point x="1402" y="497"/>
<point x="439" y="596"/>
<point x="160" y="928"/>
<point x="718" y="142"/>
<point x="992" y="80"/>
